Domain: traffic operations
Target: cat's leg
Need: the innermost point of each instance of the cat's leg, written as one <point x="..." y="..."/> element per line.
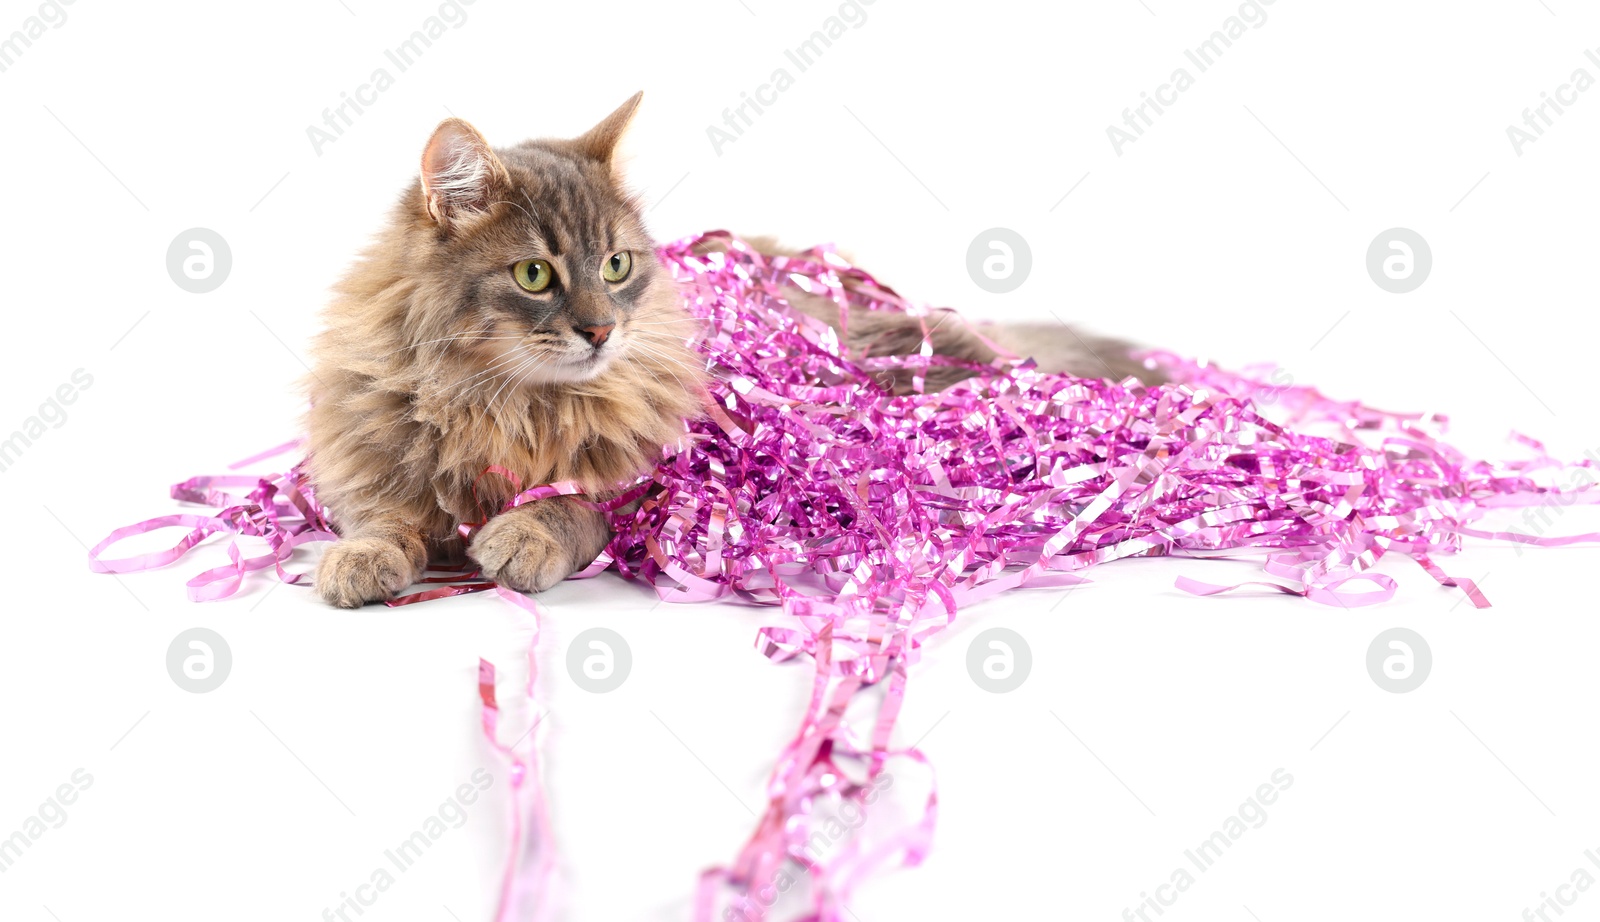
<point x="373" y="561"/>
<point x="372" y="465"/>
<point x="538" y="544"/>
<point x="1055" y="347"/>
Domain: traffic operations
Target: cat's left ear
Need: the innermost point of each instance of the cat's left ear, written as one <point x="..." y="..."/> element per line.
<point x="460" y="173"/>
<point x="600" y="142"/>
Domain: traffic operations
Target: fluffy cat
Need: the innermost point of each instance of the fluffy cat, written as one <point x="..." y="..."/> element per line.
<point x="513" y="314"/>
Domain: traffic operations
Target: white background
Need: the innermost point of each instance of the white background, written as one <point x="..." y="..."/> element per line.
<point x="1235" y="228"/>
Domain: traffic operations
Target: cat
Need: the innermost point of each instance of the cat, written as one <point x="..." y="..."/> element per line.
<point x="513" y="318"/>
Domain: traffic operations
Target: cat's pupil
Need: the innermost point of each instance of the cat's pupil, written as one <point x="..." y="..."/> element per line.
<point x="616" y="263"/>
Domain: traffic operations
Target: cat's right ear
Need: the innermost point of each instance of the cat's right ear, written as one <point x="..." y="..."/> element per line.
<point x="461" y="175"/>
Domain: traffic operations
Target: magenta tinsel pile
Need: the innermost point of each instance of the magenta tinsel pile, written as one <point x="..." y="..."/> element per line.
<point x="808" y="466"/>
<point x="871" y="518"/>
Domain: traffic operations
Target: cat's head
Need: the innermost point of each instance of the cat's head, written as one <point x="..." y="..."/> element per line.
<point x="533" y="259"/>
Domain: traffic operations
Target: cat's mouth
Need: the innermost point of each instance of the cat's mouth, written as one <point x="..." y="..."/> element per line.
<point x="587" y="365"/>
<point x="558" y="368"/>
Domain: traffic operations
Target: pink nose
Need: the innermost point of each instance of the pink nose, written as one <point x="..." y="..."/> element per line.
<point x="597" y="335"/>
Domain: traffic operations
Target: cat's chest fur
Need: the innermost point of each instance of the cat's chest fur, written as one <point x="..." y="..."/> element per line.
<point x="599" y="434"/>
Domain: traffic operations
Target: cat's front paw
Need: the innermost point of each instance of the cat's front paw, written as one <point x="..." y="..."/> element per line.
<point x="359" y="570"/>
<point x="515" y="550"/>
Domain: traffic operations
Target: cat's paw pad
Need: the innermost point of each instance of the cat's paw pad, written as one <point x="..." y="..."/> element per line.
<point x="359" y="570"/>
<point x="517" y="552"/>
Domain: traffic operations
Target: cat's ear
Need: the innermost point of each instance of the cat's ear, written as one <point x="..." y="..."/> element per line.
<point x="600" y="142"/>
<point x="460" y="173"/>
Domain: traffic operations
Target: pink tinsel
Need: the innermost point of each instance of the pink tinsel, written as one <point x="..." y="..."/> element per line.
<point x="871" y="518"/>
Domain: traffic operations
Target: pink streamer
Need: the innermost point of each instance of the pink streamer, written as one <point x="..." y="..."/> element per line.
<point x="526" y="882"/>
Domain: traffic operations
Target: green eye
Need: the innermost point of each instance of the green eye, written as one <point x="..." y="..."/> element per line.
<point x="617" y="267"/>
<point x="533" y="274"/>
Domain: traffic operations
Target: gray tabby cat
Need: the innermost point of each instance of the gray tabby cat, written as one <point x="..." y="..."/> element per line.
<point x="513" y="314"/>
